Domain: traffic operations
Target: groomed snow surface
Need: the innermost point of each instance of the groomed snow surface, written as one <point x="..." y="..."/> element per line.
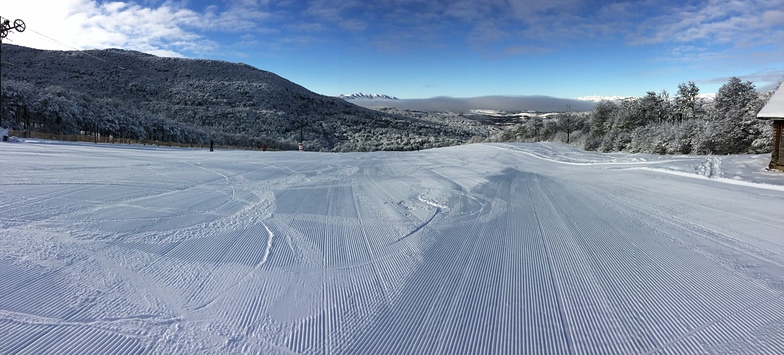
<point x="477" y="249"/>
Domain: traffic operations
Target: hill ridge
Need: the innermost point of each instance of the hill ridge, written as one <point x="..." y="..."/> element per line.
<point x="132" y="94"/>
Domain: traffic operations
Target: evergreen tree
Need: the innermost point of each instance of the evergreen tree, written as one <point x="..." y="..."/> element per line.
<point x="600" y="121"/>
<point x="736" y="126"/>
<point x="687" y="101"/>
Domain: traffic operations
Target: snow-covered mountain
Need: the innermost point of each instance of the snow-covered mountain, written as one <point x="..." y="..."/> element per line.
<point x="129" y="94"/>
<point x="360" y="96"/>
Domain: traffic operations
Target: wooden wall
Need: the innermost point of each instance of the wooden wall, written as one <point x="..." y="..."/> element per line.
<point x="777" y="156"/>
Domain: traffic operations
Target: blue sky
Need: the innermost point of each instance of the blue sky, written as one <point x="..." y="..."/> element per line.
<point x="421" y="49"/>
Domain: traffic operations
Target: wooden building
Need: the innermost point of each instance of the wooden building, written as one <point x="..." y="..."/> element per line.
<point x="774" y="110"/>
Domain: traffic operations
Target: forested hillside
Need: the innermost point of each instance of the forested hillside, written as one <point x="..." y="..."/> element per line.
<point x="658" y="123"/>
<point x="129" y="94"/>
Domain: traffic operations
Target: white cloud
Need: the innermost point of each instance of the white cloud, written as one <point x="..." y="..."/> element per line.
<point x="714" y="21"/>
<point x="486" y="32"/>
<point x="773" y="18"/>
<point x="50" y="22"/>
<point x="84" y="24"/>
<point x="349" y="15"/>
<point x="241" y="15"/>
<point x="527" y="9"/>
<point x="467" y="10"/>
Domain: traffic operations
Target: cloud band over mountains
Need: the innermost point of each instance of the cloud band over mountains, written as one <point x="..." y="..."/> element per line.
<point x="502" y="103"/>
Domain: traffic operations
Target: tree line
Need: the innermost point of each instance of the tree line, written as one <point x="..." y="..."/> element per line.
<point x="53" y="109"/>
<point x="657" y="123"/>
<point x="57" y="110"/>
<point x="195" y="102"/>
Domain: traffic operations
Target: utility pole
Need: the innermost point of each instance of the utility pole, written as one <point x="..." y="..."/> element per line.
<point x="302" y="122"/>
<point x="5" y="28"/>
<point x="301" y="137"/>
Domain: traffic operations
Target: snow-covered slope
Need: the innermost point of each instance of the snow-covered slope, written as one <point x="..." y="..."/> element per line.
<point x="135" y="95"/>
<point x="486" y="248"/>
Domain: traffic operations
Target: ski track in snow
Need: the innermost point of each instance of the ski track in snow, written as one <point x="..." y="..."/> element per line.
<point x="486" y="248"/>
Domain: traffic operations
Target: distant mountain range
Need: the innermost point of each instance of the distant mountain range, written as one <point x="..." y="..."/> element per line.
<point x="361" y="96"/>
<point x="130" y="94"/>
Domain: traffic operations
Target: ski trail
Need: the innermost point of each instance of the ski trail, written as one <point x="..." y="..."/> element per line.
<point x="373" y="259"/>
<point x="553" y="276"/>
<point x="268" y="247"/>
<point x="697" y="330"/>
<point x="419" y="227"/>
<point x="233" y="190"/>
<point x="505" y="253"/>
<point x="438" y="208"/>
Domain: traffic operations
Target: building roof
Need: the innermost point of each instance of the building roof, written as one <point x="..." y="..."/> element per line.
<point x="774" y="110"/>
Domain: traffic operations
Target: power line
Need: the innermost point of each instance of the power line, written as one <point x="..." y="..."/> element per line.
<point x="83" y="51"/>
<point x="69" y="46"/>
